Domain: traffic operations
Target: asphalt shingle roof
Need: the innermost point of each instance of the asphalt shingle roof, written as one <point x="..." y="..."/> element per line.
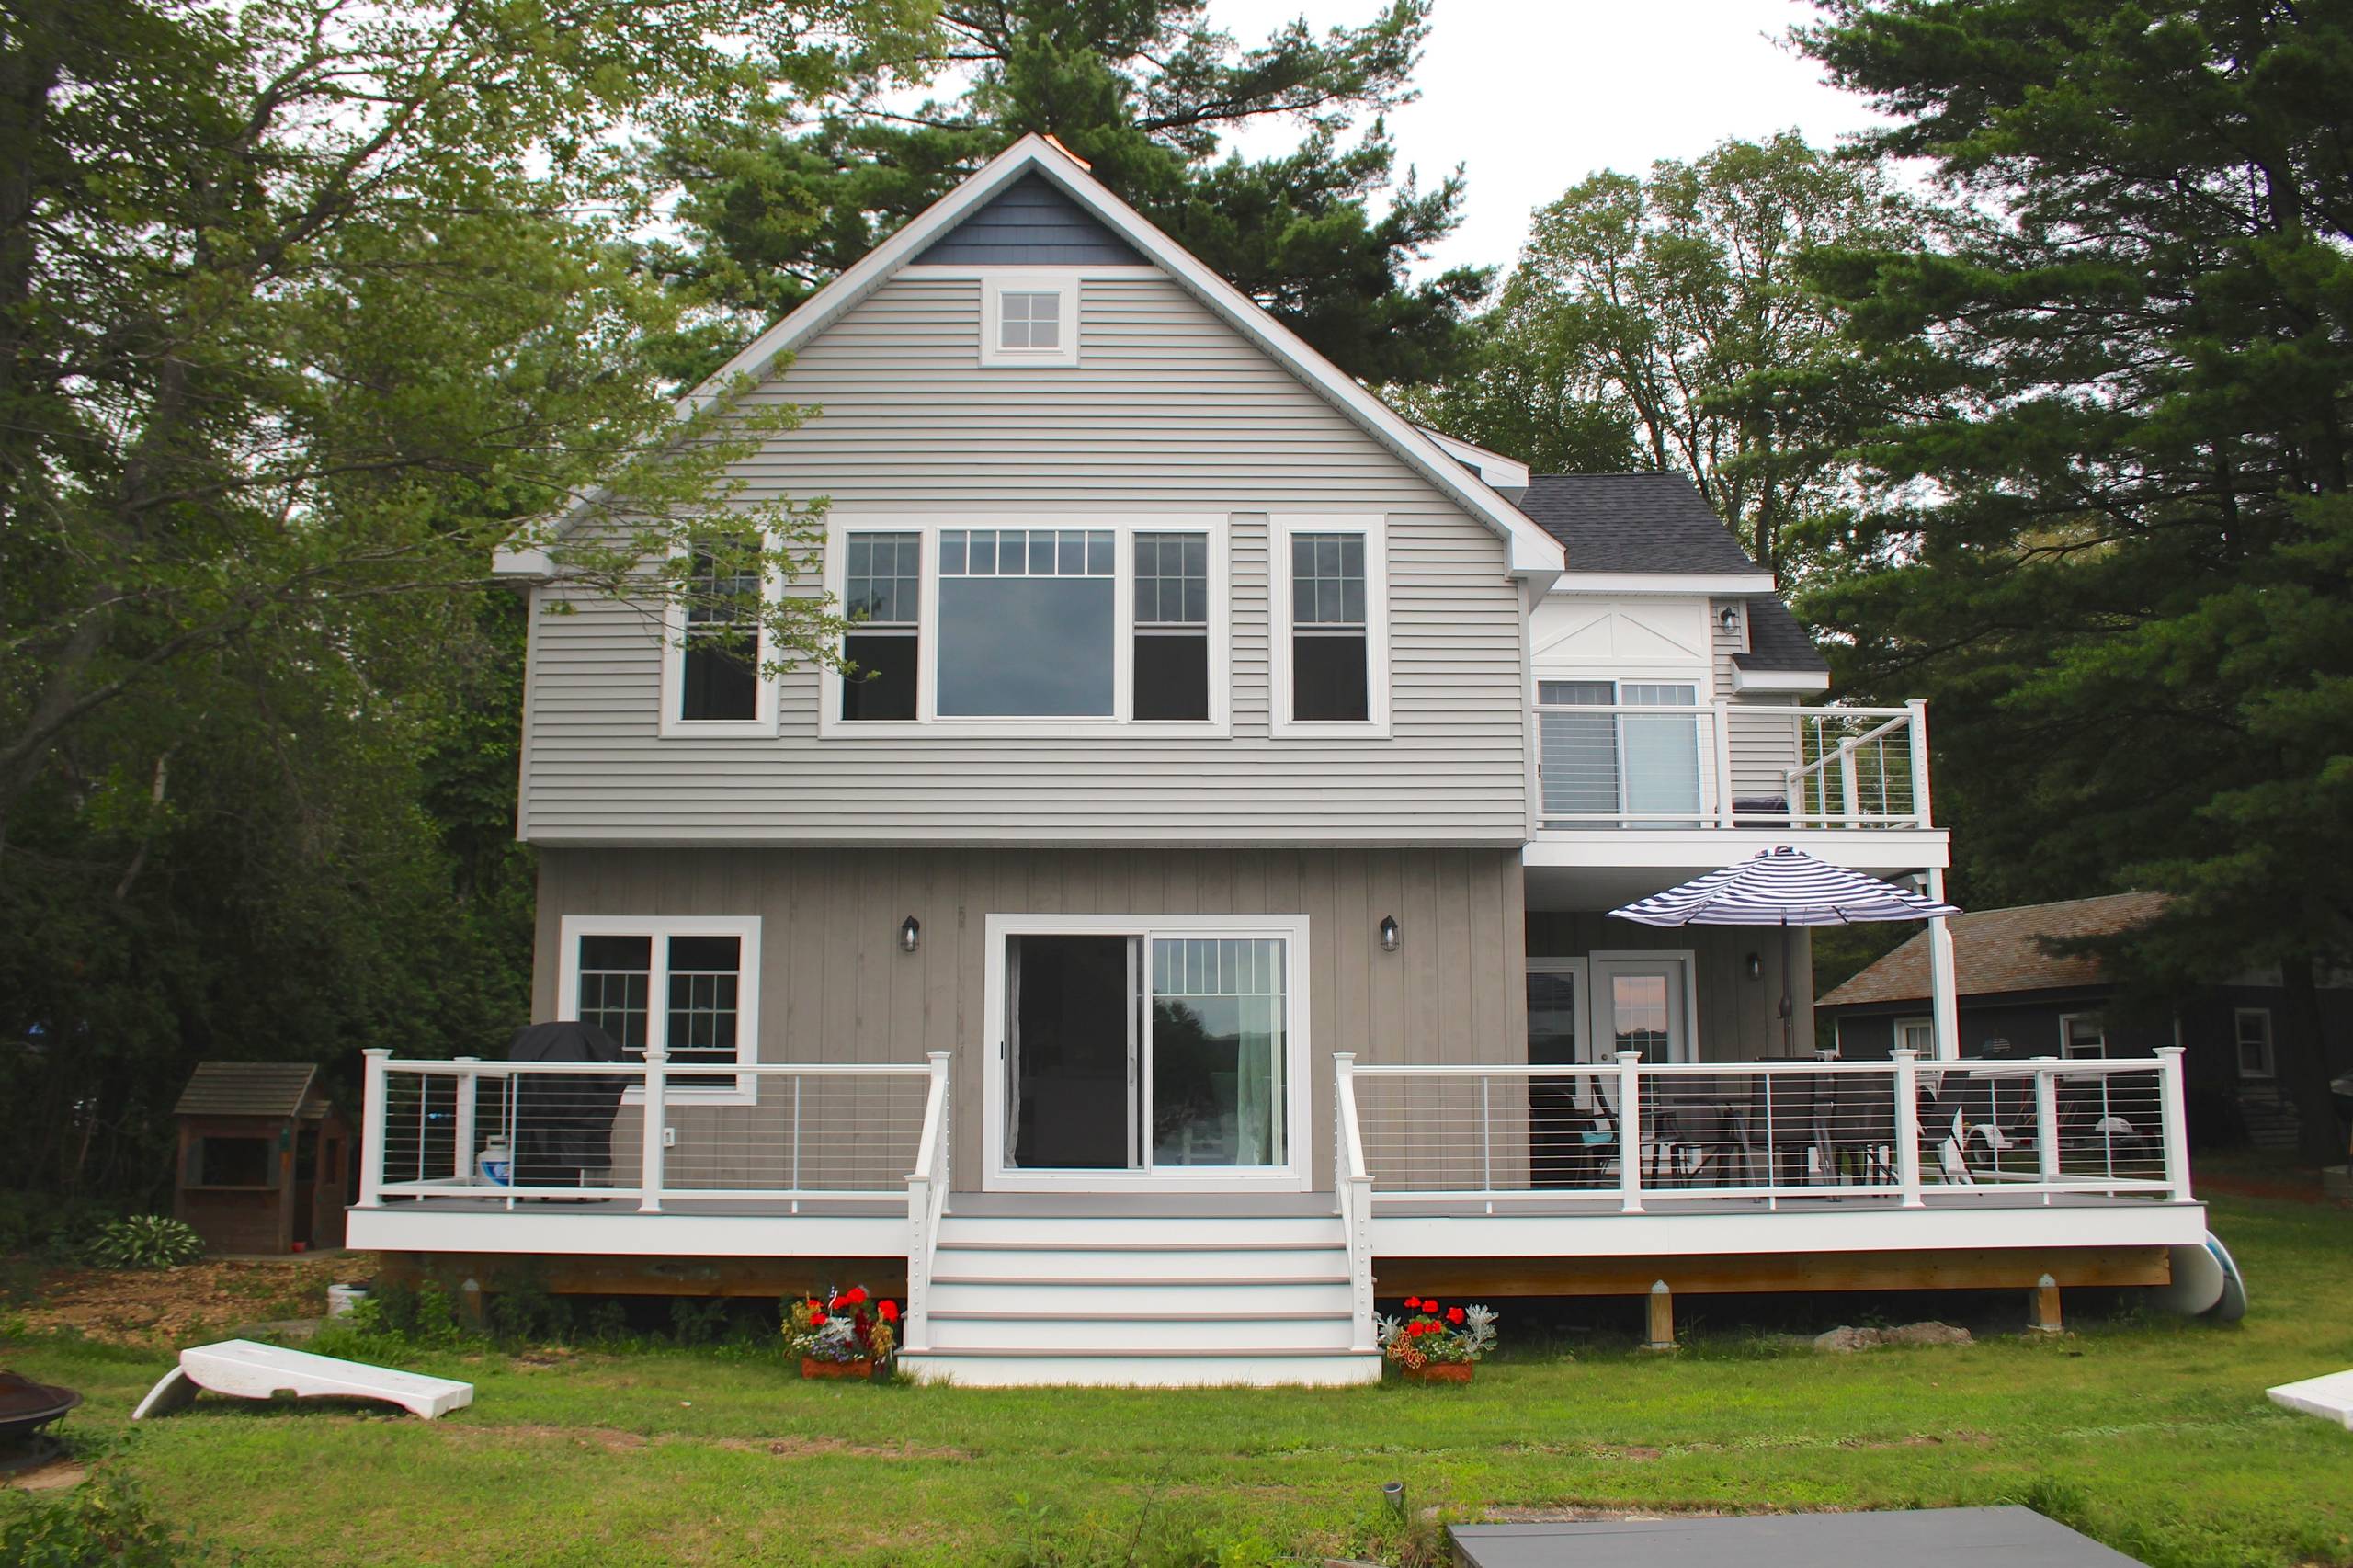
<point x="246" y="1088"/>
<point x="1778" y="640"/>
<point x="1999" y="950"/>
<point x="1633" y="522"/>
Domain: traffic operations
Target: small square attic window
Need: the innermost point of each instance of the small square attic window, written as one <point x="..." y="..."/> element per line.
<point x="1030" y="320"/>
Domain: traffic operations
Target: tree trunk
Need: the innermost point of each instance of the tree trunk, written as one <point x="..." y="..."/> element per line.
<point x="2304" y="1064"/>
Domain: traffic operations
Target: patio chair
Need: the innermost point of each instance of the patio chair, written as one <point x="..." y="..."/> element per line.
<point x="1860" y="1123"/>
<point x="1700" y="1131"/>
<point x="1783" y="1118"/>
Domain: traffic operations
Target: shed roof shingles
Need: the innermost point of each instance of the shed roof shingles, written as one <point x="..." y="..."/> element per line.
<point x="2001" y="951"/>
<point x="246" y="1088"/>
<point x="1633" y="522"/>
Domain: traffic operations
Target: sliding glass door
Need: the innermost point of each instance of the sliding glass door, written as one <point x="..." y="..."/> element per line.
<point x="1146" y="1054"/>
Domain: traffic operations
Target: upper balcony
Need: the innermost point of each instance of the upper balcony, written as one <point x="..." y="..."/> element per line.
<point x="1683" y="784"/>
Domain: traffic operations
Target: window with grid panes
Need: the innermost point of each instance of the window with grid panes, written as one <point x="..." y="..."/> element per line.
<point x="1329" y="640"/>
<point x="1026" y="623"/>
<point x="719" y="666"/>
<point x="882" y="596"/>
<point x="1171" y="667"/>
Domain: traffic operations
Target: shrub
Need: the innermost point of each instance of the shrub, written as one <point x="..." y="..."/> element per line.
<point x="62" y="1229"/>
<point x="104" y="1520"/>
<point x="145" y="1241"/>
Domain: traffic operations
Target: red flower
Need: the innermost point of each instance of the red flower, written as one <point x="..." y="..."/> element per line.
<point x="1454" y="1315"/>
<point x="1430" y="1307"/>
<point x="855" y="1295"/>
<point x="817" y="1314"/>
<point x="1412" y="1302"/>
<point x="889" y="1312"/>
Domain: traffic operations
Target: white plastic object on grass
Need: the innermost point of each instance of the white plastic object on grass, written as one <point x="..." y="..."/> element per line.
<point x="244" y="1369"/>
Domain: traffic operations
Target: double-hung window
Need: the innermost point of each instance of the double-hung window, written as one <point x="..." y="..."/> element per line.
<point x="690" y="984"/>
<point x="881" y="598"/>
<point x="713" y="683"/>
<point x="2251" y="1030"/>
<point x="1330" y="635"/>
<point x="2082" y="1034"/>
<point x="1005" y="625"/>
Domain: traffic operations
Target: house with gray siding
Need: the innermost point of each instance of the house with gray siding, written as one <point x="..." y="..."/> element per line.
<point x="1186" y="925"/>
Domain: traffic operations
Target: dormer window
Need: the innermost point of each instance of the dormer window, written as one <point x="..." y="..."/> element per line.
<point x="1028" y="319"/>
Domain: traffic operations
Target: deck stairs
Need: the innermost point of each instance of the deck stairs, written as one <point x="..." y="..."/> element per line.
<point x="1048" y="1295"/>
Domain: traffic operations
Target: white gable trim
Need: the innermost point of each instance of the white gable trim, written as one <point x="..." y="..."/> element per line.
<point x="1530" y="550"/>
<point x="1720" y="584"/>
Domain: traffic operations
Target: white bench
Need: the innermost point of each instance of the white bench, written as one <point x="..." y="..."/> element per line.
<point x="244" y="1369"/>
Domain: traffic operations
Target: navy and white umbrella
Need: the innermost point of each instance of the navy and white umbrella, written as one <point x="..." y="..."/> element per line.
<point x="1782" y="887"/>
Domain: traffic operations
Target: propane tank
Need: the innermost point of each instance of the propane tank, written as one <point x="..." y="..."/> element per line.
<point x="495" y="1165"/>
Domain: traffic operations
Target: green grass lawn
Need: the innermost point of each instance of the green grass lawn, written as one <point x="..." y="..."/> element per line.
<point x="2152" y="1435"/>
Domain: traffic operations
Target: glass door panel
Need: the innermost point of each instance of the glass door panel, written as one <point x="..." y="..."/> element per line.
<point x="1217" y="1051"/>
<point x="1559" y="1106"/>
<point x="1662" y="752"/>
<point x="1071" y="1050"/>
<point x="1640" y="1007"/>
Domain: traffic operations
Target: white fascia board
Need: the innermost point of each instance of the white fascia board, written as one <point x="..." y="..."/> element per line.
<point x="1780" y="680"/>
<point x="1531" y="551"/>
<point x="1715" y="583"/>
<point x="1498" y="471"/>
<point x="530" y="563"/>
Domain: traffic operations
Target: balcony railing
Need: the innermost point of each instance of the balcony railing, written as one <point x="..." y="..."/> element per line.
<point x="1731" y="765"/>
<point x="636" y="1136"/>
<point x="1772" y="1134"/>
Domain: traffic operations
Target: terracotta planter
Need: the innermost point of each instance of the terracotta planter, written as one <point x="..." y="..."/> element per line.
<point x="1440" y="1373"/>
<point x="857" y="1370"/>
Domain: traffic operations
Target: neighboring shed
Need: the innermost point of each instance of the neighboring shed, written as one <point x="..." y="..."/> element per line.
<point x="262" y="1156"/>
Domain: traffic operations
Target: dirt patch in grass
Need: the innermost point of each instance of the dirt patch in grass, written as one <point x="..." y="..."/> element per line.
<point x="142" y="1306"/>
<point x="809" y="1447"/>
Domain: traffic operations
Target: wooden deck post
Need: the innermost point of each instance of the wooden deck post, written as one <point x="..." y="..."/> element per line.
<point x="2043" y="1307"/>
<point x="1661" y="1303"/>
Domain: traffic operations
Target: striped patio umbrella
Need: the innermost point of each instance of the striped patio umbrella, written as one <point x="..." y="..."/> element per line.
<point x="1782" y="887"/>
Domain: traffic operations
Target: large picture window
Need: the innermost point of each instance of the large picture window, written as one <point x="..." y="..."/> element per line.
<point x="690" y="984"/>
<point x="1330" y="634"/>
<point x="1029" y="626"/>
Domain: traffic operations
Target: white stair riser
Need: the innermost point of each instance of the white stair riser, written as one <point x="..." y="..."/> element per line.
<point x="952" y="1334"/>
<point x="1143" y="1371"/>
<point x="1143" y="1262"/>
<point x="1114" y="1300"/>
<point x="1142" y="1230"/>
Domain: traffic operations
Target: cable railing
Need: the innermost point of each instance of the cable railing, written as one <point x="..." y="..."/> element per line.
<point x="1626" y="1134"/>
<point x="1728" y="765"/>
<point x="515" y="1134"/>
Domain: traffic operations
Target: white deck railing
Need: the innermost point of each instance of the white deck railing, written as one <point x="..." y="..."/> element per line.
<point x="1775" y="1134"/>
<point x="655" y="1130"/>
<point x="1732" y="764"/>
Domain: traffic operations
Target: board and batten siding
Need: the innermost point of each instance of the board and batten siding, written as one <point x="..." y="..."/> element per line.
<point x="835" y="986"/>
<point x="1170" y="410"/>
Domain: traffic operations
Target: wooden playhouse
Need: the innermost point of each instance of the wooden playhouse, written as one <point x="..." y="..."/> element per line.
<point x="262" y="1158"/>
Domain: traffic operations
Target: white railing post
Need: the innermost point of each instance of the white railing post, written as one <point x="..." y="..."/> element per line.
<point x="1921" y="816"/>
<point x="649" y="1199"/>
<point x="1353" y="1187"/>
<point x="1629" y="1132"/>
<point x="1944" y="975"/>
<point x="1724" y="813"/>
<point x="1849" y="788"/>
<point x="1907" y="1124"/>
<point x="371" y="1126"/>
<point x="925" y="1192"/>
<point x="2172" y="1107"/>
<point x="462" y="1156"/>
<point x="2046" y="1123"/>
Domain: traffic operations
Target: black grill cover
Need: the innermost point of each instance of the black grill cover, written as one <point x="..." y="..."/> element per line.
<point x="563" y="1121"/>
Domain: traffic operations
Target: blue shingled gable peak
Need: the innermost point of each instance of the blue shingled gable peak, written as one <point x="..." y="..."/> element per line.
<point x="1031" y="223"/>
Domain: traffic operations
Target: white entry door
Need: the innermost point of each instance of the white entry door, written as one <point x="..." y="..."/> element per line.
<point x="1643" y="1002"/>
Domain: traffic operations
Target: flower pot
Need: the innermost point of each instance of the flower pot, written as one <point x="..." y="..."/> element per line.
<point x="1440" y="1373"/>
<point x="858" y="1371"/>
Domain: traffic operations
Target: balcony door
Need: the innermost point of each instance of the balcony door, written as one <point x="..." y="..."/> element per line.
<point x="1164" y="1053"/>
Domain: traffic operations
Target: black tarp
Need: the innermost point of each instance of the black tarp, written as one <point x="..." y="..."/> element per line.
<point x="563" y="1121"/>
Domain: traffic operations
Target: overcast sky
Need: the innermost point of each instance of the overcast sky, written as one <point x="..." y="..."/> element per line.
<point x="1531" y="96"/>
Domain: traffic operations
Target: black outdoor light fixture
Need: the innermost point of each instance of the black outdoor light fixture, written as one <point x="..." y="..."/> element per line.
<point x="1388" y="933"/>
<point x="910" y="935"/>
<point x="1755" y="967"/>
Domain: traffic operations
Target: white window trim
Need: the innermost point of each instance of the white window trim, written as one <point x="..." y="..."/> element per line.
<point x="1895" y="1040"/>
<point x="831" y="725"/>
<point x="1280" y="527"/>
<point x="1296" y="1175"/>
<point x="659" y="927"/>
<point x="2270" y="1043"/>
<point x="995" y="286"/>
<point x="762" y="724"/>
<point x="2066" y="1050"/>
<point x="1601" y="961"/>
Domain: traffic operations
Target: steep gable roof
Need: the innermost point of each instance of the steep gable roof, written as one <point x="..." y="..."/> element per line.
<point x="2000" y="950"/>
<point x="1530" y="551"/>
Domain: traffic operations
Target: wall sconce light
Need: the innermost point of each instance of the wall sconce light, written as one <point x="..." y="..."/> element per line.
<point x="910" y="935"/>
<point x="1728" y="619"/>
<point x="1388" y="933"/>
<point x="1755" y="967"/>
